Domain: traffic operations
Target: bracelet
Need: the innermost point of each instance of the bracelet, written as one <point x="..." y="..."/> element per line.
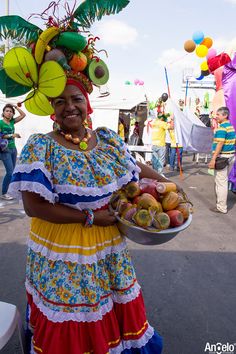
<point x="89" y="217"/>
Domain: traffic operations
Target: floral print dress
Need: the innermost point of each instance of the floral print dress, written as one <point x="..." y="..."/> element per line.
<point x="82" y="290"/>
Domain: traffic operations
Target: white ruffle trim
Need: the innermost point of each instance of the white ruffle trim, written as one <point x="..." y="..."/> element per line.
<point x="60" y="316"/>
<point x="138" y="343"/>
<point x="125" y="344"/>
<point x="16" y="188"/>
<point x="124" y="299"/>
<point x="95" y="191"/>
<point x="27" y="168"/>
<point x="74" y="257"/>
<point x="89" y="205"/>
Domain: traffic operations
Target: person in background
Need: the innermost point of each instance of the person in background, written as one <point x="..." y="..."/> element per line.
<point x="9" y="155"/>
<point x="223" y="146"/>
<point x="159" y="129"/>
<point x="175" y="151"/>
<point x="198" y="107"/>
<point x="121" y="129"/>
<point x="181" y="104"/>
<point x="134" y="139"/>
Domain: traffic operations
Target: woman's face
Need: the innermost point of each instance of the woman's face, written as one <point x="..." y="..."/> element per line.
<point x="8" y="113"/>
<point x="70" y="109"/>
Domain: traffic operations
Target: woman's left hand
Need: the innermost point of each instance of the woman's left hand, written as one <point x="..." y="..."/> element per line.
<point x="104" y="218"/>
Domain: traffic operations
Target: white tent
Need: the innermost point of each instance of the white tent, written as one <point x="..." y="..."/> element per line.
<point x="106" y="112"/>
<point x="106" y="109"/>
<point x="190" y="132"/>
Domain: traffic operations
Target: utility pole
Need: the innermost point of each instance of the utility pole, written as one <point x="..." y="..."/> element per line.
<point x="7" y="46"/>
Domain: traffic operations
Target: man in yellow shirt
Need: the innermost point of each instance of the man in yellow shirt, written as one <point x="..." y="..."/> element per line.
<point x="159" y="129"/>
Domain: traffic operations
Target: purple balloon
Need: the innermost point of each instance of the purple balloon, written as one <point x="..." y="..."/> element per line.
<point x="211" y="53"/>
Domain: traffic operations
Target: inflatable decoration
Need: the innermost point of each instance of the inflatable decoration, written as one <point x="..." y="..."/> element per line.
<point x="211" y="53"/>
<point x="198" y="37"/>
<point x="164" y="97"/>
<point x="204" y="66"/>
<point x="201" y="51"/>
<point x="218" y="61"/>
<point x="207" y="41"/>
<point x="65" y="48"/>
<point x="189" y="46"/>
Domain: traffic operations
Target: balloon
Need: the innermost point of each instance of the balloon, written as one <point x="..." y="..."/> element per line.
<point x="141" y="82"/>
<point x="200" y="77"/>
<point x="136" y="81"/>
<point x="164" y="97"/>
<point x="207" y="41"/>
<point x="201" y="51"/>
<point x="205" y="72"/>
<point x="198" y="37"/>
<point x="127" y="82"/>
<point x="189" y="46"/>
<point x="211" y="53"/>
<point x="204" y="66"/>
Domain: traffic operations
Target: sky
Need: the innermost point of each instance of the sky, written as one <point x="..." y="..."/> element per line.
<point x="148" y="36"/>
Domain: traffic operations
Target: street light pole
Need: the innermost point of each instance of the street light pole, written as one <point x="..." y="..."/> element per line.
<point x="7" y="40"/>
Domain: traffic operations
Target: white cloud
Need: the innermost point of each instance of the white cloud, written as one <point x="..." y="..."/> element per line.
<point x="116" y="33"/>
<point x="177" y="59"/>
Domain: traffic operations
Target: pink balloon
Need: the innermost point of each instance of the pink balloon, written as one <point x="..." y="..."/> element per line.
<point x="136" y="82"/>
<point x="141" y="82"/>
<point x="211" y="53"/>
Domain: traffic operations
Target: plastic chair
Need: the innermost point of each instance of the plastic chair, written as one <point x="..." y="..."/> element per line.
<point x="10" y="319"/>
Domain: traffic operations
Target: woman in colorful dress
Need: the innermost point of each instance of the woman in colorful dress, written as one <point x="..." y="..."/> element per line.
<point x="82" y="289"/>
<point x="83" y="295"/>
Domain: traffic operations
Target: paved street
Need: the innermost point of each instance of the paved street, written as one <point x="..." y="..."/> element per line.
<point x="188" y="283"/>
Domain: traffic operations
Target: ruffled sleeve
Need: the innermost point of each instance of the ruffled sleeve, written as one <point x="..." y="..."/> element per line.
<point x="33" y="171"/>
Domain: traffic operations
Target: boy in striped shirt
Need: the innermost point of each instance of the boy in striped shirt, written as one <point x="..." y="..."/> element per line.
<point x="223" y="146"/>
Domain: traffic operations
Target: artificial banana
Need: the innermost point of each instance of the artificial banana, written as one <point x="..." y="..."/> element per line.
<point x="42" y="42"/>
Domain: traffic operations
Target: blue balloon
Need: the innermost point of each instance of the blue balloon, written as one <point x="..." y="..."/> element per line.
<point x="200" y="77"/>
<point x="198" y="37"/>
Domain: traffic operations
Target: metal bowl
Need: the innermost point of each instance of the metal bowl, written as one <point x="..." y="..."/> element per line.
<point x="150" y="236"/>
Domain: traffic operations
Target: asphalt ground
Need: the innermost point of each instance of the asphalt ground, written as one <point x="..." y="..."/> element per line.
<point x="189" y="283"/>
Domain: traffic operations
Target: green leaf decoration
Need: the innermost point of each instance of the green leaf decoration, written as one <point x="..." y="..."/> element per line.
<point x="9" y="87"/>
<point x="15" y="27"/>
<point x="91" y="10"/>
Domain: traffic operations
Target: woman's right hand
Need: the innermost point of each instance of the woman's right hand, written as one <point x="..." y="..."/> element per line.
<point x="104" y="218"/>
<point x="16" y="135"/>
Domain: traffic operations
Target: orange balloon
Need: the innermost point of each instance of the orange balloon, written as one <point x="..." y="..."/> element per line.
<point x="207" y="41"/>
<point x="189" y="46"/>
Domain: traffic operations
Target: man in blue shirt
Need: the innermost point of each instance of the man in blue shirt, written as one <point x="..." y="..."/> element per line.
<point x="223" y="146"/>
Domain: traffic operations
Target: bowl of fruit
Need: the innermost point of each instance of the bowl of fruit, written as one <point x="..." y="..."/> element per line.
<point x="150" y="212"/>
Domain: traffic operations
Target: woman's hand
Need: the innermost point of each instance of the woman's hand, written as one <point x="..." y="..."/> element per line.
<point x="16" y="135"/>
<point x="104" y="218"/>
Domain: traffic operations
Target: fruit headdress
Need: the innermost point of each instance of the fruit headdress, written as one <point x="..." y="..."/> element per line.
<point x="64" y="49"/>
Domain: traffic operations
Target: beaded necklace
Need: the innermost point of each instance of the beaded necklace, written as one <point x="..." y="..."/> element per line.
<point x="83" y="143"/>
